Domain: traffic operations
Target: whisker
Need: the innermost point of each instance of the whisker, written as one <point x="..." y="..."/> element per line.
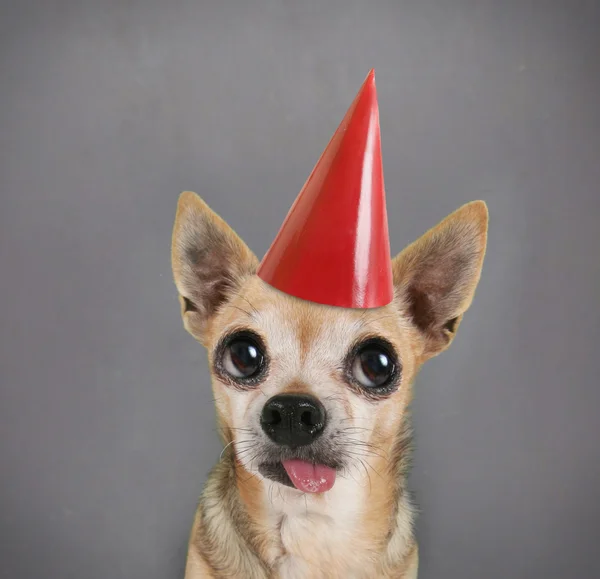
<point x="336" y="397"/>
<point x="244" y="451"/>
<point x="378" y="319"/>
<point x="271" y="486"/>
<point x="249" y="478"/>
<point x="365" y="444"/>
<point x="240" y="309"/>
<point x="362" y="463"/>
<point x="225" y="448"/>
<point x="249" y="303"/>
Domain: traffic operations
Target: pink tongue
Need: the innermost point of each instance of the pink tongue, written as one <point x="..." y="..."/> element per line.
<point x="308" y="477"/>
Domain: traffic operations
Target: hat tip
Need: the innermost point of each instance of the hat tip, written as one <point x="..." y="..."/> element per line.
<point x="369" y="82"/>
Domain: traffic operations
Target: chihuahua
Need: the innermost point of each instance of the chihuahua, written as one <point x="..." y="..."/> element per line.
<point x="312" y="403"/>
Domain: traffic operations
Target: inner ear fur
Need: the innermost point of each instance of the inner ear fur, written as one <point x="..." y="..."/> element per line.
<point x="436" y="276"/>
<point x="209" y="262"/>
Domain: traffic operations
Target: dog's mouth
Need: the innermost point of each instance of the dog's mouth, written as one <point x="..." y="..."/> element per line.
<point x="303" y="475"/>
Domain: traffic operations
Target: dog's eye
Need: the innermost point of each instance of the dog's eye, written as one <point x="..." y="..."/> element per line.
<point x="373" y="367"/>
<point x="242" y="358"/>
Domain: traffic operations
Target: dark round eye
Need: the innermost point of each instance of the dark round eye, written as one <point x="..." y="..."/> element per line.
<point x="242" y="358"/>
<point x="373" y="367"/>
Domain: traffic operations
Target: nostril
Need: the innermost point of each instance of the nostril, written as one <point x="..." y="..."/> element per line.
<point x="308" y="418"/>
<point x="272" y="416"/>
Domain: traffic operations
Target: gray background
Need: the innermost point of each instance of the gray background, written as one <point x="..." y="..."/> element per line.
<point x="108" y="109"/>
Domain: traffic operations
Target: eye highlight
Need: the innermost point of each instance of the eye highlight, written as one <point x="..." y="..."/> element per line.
<point x="373" y="365"/>
<point x="241" y="358"/>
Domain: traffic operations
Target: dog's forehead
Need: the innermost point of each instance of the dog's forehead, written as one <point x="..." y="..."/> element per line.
<point x="296" y="327"/>
<point x="287" y="321"/>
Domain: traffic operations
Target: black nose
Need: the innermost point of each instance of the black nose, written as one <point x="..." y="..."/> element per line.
<point x="292" y="420"/>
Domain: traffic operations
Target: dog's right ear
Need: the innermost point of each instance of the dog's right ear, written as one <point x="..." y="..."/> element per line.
<point x="209" y="262"/>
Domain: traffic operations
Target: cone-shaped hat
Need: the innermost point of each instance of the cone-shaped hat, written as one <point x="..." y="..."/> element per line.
<point x="333" y="247"/>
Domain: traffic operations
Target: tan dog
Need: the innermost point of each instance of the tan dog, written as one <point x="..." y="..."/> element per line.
<point x="348" y="371"/>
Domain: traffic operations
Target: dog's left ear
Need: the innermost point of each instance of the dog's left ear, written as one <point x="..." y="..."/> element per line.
<point x="436" y="276"/>
<point x="209" y="263"/>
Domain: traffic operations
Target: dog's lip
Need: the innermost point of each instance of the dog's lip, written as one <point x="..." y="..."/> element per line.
<point x="276" y="472"/>
<point x="278" y="462"/>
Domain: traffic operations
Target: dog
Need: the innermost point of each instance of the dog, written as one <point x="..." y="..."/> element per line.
<point x="312" y="402"/>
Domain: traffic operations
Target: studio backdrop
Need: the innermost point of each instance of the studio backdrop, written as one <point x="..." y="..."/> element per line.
<point x="109" y="109"/>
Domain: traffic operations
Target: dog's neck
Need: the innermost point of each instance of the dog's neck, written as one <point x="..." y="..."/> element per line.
<point x="360" y="528"/>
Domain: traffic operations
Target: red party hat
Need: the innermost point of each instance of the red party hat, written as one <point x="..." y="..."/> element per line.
<point x="333" y="247"/>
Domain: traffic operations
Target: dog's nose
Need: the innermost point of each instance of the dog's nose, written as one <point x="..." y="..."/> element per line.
<point x="293" y="420"/>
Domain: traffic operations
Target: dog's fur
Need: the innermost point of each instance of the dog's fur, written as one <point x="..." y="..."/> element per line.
<point x="249" y="527"/>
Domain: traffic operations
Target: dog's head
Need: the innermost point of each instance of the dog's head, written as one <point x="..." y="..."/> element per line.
<point x="305" y="391"/>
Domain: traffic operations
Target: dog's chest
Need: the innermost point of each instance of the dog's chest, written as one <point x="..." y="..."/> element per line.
<point x="314" y="546"/>
<point x="319" y="541"/>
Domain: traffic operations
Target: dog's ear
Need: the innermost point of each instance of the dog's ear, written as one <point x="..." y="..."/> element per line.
<point x="436" y="276"/>
<point x="209" y="262"/>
